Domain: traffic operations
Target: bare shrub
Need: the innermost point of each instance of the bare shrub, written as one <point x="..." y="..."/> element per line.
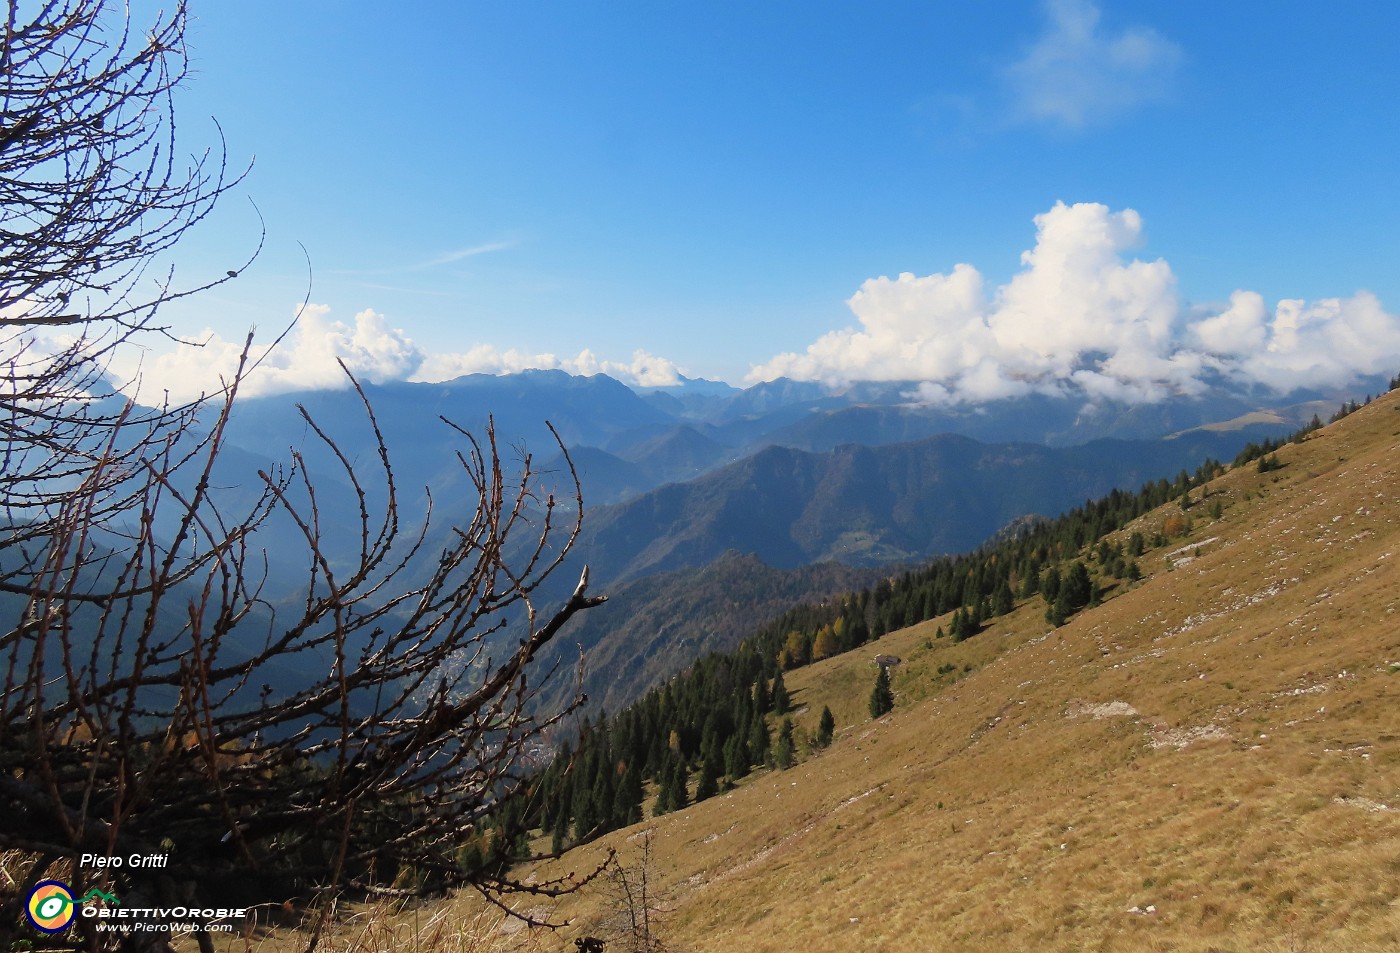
<point x="636" y="906"/>
<point x="157" y="703"/>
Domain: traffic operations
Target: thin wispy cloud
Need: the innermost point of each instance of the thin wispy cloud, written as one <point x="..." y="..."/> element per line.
<point x="403" y="289"/>
<point x="460" y="255"/>
<point x="437" y="261"/>
<point x="1077" y="73"/>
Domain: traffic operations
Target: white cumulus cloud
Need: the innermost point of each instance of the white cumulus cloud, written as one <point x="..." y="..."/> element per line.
<point x="1324" y="343"/>
<point x="305" y="360"/>
<point x="1081" y="316"/>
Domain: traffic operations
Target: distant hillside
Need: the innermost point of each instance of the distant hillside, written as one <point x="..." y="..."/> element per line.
<point x="867" y="505"/>
<point x="642" y="459"/>
<point x="652" y="627"/>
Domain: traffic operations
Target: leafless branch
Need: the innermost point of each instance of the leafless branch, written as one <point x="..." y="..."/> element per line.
<point x="159" y="697"/>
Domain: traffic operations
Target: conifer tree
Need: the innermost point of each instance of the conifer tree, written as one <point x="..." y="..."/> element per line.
<point x="555" y="789"/>
<point x="560" y="831"/>
<point x="586" y="816"/>
<point x="760" y="739"/>
<point x="1078" y="586"/>
<point x="882" y="697"/>
<point x="666" y="800"/>
<point x="708" y="786"/>
<point x="736" y="757"/>
<point x="680" y="785"/>
<point x="627" y="799"/>
<point x="826" y="728"/>
<point x="781" y="702"/>
<point x="604" y="794"/>
<point x="785" y="751"/>
<point x="1002" y="600"/>
<point x="857" y="631"/>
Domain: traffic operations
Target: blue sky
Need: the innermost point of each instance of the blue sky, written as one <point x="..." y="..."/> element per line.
<point x="720" y="186"/>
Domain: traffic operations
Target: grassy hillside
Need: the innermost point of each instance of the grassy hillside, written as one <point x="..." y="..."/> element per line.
<point x="1208" y="761"/>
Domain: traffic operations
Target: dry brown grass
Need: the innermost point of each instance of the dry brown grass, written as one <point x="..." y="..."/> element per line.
<point x="1210" y="761"/>
<point x="461" y="925"/>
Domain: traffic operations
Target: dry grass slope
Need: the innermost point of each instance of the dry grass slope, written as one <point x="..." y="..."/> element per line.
<point x="1210" y="761"/>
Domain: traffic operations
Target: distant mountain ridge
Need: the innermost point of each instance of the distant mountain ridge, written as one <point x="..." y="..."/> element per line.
<point x="661" y="435"/>
<point x="868" y="505"/>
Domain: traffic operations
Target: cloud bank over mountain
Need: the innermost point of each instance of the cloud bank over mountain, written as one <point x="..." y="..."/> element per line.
<point x="1080" y="317"/>
<point x="306" y="359"/>
<point x="644" y="370"/>
<point x="309" y="359"/>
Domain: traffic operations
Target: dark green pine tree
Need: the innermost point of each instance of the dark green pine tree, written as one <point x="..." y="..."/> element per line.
<point x="560" y="833"/>
<point x="666" y="786"/>
<point x="857" y="632"/>
<point x="586" y="816"/>
<point x="557" y="788"/>
<point x="627" y="798"/>
<point x="1002" y="599"/>
<point x="604" y="794"/>
<point x="780" y="700"/>
<point x="760" y="739"/>
<point x="965" y="624"/>
<point x="826" y="728"/>
<point x="882" y="697"/>
<point x="736" y="757"/>
<point x="708" y="786"/>
<point x="761" y="700"/>
<point x="785" y="751"/>
<point x="680" y="784"/>
<point x="1031" y="584"/>
<point x="1078" y="586"/>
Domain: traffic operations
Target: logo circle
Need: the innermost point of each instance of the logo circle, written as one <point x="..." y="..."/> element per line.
<point x="50" y="906"/>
